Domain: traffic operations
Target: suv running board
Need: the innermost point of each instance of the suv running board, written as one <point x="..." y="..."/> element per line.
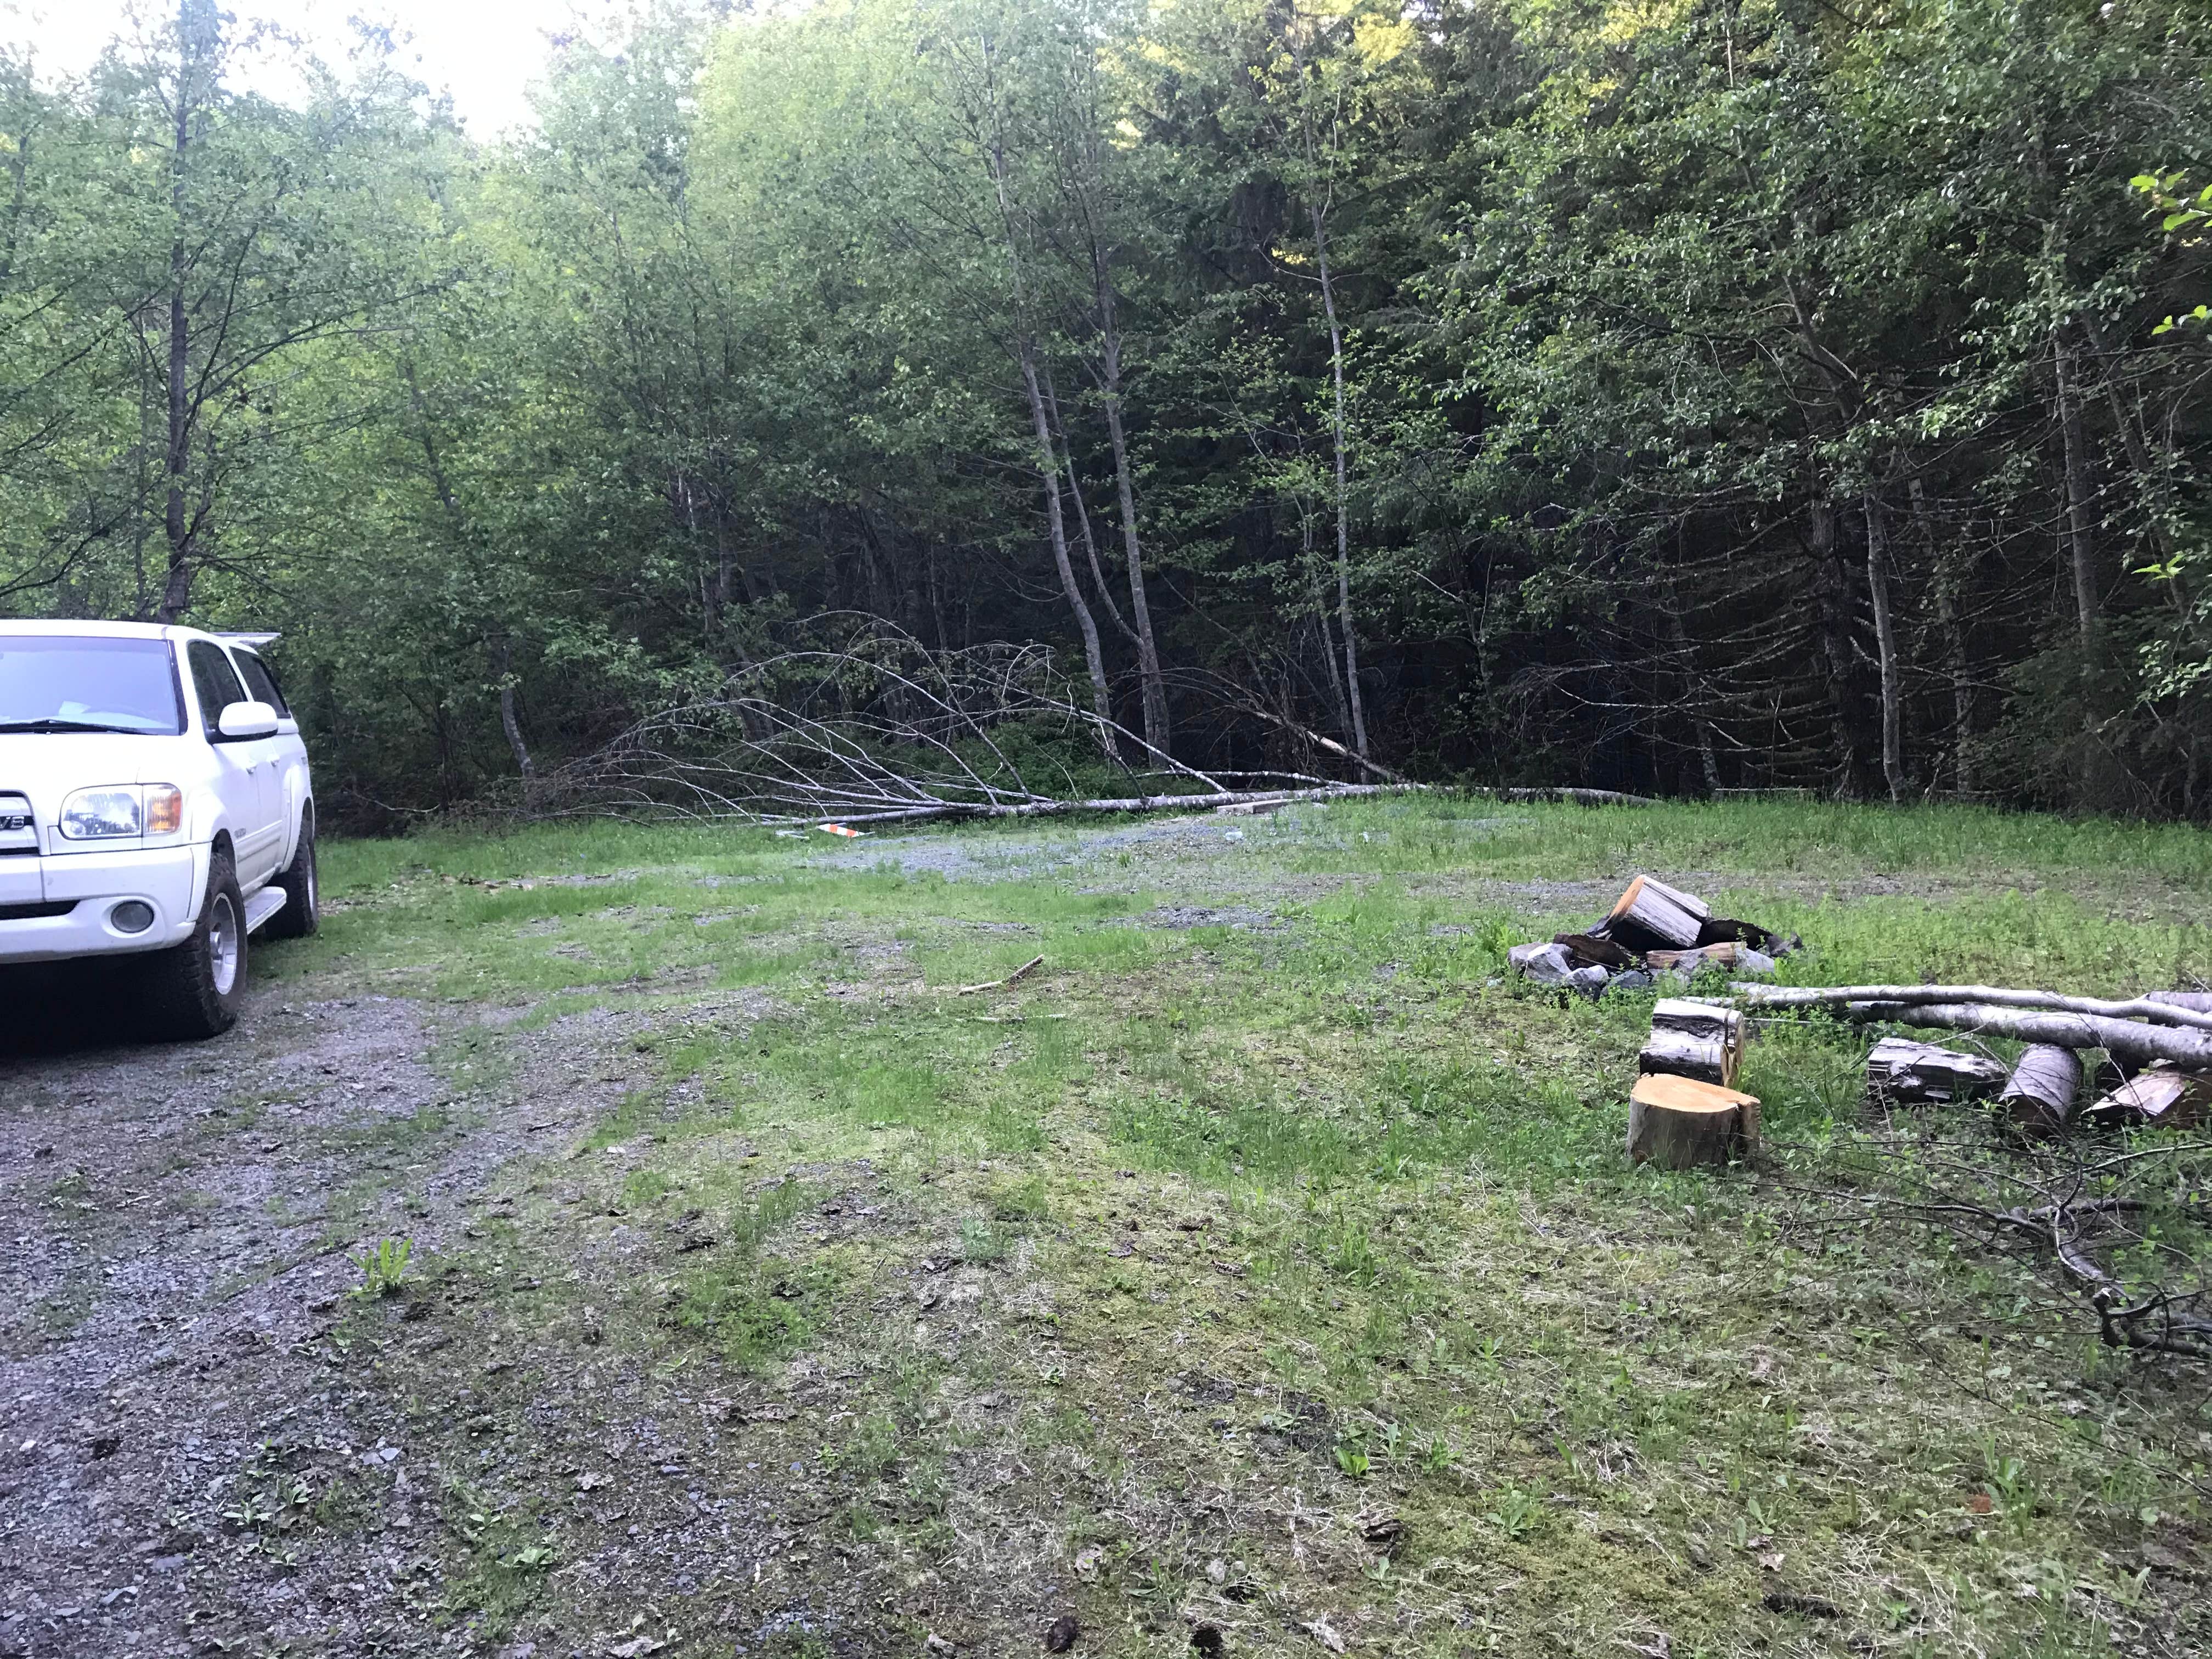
<point x="263" y="905"/>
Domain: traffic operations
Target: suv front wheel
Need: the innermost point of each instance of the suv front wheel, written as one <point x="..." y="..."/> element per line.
<point x="196" y="988"/>
<point x="299" y="917"/>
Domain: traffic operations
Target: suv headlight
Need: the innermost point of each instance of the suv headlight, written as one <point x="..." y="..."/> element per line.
<point x="117" y="811"/>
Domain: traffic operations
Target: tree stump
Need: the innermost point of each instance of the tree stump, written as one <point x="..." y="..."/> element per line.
<point x="1907" y="1074"/>
<point x="1679" y="1123"/>
<point x="2040" y="1093"/>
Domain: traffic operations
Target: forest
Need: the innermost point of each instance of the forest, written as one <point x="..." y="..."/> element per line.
<point x="1677" y="396"/>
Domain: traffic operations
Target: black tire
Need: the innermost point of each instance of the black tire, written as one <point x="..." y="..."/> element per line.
<point x="299" y="917"/>
<point x="194" y="990"/>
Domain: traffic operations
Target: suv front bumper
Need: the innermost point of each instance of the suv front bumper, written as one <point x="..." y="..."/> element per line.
<point x="169" y="878"/>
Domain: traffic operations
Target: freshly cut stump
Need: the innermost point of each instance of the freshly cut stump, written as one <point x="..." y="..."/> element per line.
<point x="1679" y="1123"/>
<point x="2037" y="1100"/>
<point x="1911" y="1074"/>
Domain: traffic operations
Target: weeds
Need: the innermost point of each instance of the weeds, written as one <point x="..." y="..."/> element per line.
<point x="384" y="1267"/>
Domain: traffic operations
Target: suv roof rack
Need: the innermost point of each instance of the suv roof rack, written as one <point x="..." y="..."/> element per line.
<point x="241" y="638"/>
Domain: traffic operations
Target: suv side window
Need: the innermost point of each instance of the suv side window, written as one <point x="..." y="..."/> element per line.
<point x="260" y="682"/>
<point x="215" y="681"/>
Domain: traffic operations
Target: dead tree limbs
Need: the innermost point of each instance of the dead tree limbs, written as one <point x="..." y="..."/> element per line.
<point x="884" y="730"/>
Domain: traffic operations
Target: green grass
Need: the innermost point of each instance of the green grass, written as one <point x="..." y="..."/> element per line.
<point x="1330" y="1161"/>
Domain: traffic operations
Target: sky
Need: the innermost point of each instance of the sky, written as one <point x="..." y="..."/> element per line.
<point x="485" y="52"/>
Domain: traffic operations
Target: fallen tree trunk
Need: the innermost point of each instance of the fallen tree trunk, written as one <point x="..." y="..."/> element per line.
<point x="2157" y="1007"/>
<point x="2039" y="1096"/>
<point x="1044" y="809"/>
<point x="2122" y="1039"/>
<point x="1576" y="797"/>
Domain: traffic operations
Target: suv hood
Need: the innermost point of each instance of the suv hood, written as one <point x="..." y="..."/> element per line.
<point x="49" y="765"/>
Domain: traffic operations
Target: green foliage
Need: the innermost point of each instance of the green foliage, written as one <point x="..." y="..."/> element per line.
<point x="384" y="1267"/>
<point x="1690" y="403"/>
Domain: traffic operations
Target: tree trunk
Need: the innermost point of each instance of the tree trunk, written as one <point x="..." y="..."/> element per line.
<point x="509" y="721"/>
<point x="1885" y="636"/>
<point x="1701" y="729"/>
<point x="1158" y="735"/>
<point x="1102" y="699"/>
<point x="1954" y="644"/>
<point x="2089" y="604"/>
<point x="1048" y="460"/>
<point x="2177" y="1008"/>
<point x="1832" y="592"/>
<point x="1343" y="503"/>
<point x="177" y="590"/>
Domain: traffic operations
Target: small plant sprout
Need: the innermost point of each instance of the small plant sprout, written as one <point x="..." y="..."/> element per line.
<point x="1352" y="1453"/>
<point x="384" y="1267"/>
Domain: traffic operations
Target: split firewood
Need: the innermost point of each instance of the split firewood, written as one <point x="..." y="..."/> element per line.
<point x="2160" y="1097"/>
<point x="1653" y="916"/>
<point x="2160" y="1007"/>
<point x="2039" y="1096"/>
<point x="1903" y="1072"/>
<point x="1722" y="930"/>
<point x="1679" y="1123"/>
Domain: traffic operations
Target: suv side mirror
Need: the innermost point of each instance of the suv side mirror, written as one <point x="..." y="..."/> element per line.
<point x="247" y="720"/>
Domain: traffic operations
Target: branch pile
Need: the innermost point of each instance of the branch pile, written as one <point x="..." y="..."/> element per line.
<point x="880" y="730"/>
<point x="2121" y="1228"/>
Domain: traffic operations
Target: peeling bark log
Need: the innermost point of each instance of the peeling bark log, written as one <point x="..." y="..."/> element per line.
<point x="2039" y="1096"/>
<point x="1903" y="1072"/>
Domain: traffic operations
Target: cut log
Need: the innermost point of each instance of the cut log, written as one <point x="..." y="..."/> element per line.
<point x="1720" y="930"/>
<point x="1707" y="1020"/>
<point x="1673" y="1053"/>
<point x="1593" y="949"/>
<point x="2122" y="1039"/>
<point x="1679" y="1123"/>
<point x="2160" y="1007"/>
<point x="1694" y="1039"/>
<point x="1653" y="916"/>
<point x="2040" y="1094"/>
<point x="1901" y="1071"/>
<point x="2159" y="1098"/>
<point x="1723" y="955"/>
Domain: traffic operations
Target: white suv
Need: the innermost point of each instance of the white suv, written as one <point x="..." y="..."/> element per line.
<point x="154" y="801"/>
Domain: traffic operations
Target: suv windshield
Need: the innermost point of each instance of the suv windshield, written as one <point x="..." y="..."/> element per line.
<point x="62" y="682"/>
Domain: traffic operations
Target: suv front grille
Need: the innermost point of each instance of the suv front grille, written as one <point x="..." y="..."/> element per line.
<point x="18" y="831"/>
<point x="36" y="912"/>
